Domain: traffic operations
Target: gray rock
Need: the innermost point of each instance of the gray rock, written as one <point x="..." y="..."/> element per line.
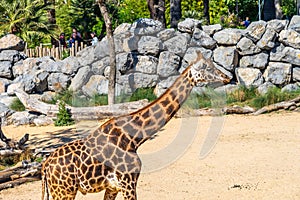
<point x="99" y="66"/>
<point x="119" y="40"/>
<point x="255" y="30"/>
<point x="249" y="77"/>
<point x="225" y="71"/>
<point x="227" y="57"/>
<point x="276" y="25"/>
<point x="163" y="85"/>
<point x="285" y="54"/>
<point x="22" y="118"/>
<point x="149" y="45"/>
<point x="227" y="88"/>
<point x="191" y="55"/>
<point x="97" y="84"/>
<point x="145" y="26"/>
<point x="4" y="84"/>
<point x="228" y="36"/>
<point x="102" y="49"/>
<point x="296" y="74"/>
<point x="86" y="56"/>
<point x="33" y="82"/>
<point x="268" y="40"/>
<point x="188" y="25"/>
<point x="246" y="47"/>
<point x="10" y="55"/>
<point x="290" y="88"/>
<point x="259" y="61"/>
<point x="11" y="42"/>
<point x="166" y="34"/>
<point x="146" y="64"/>
<point x="263" y="88"/>
<point x="131" y="43"/>
<point x="212" y="29"/>
<point x="278" y="73"/>
<point x="168" y="64"/>
<point x="122" y="28"/>
<point x="6" y="69"/>
<point x="30" y="65"/>
<point x="290" y="38"/>
<point x="200" y="38"/>
<point x="81" y="78"/>
<point x="177" y="44"/>
<point x="42" y="121"/>
<point x="58" y="82"/>
<point x="70" y="65"/>
<point x="295" y="23"/>
<point x="5" y="111"/>
<point x="13" y="87"/>
<point x="122" y="62"/>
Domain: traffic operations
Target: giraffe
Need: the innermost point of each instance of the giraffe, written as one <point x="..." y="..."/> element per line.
<point x="107" y="158"/>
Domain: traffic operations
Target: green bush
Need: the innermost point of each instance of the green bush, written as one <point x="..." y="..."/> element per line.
<point x="17" y="105"/>
<point x="63" y="116"/>
<point x="143" y="93"/>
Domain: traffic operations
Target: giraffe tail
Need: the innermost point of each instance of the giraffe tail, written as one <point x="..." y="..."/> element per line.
<point x="45" y="192"/>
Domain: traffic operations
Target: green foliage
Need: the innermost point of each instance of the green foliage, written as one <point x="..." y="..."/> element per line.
<point x="242" y="94"/>
<point x="131" y="10"/>
<point x="17" y="105"/>
<point x="143" y="93"/>
<point x="63" y="116"/>
<point x="288" y="8"/>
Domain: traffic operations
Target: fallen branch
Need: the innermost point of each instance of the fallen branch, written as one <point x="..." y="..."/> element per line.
<point x="11" y="184"/>
<point x="277" y="106"/>
<point x="238" y="110"/>
<point x="80" y="113"/>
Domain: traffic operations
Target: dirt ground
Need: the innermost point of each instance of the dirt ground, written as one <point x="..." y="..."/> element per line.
<point x="255" y="157"/>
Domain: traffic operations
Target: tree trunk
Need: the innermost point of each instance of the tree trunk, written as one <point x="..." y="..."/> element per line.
<point x="206" y="10"/>
<point x="269" y="10"/>
<point x="278" y="9"/>
<point x="175" y="12"/>
<point x="112" y="52"/>
<point x="157" y="10"/>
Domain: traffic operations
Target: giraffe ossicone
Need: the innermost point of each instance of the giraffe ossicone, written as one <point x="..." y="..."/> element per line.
<point x="107" y="158"/>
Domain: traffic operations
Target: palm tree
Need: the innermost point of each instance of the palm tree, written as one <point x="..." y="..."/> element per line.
<point x="25" y="18"/>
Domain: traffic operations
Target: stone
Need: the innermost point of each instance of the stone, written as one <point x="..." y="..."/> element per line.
<point x="97" y="84"/>
<point x="22" y="118"/>
<point x="13" y="87"/>
<point x="163" y="85"/>
<point x="285" y="54"/>
<point x="58" y="82"/>
<point x="10" y="55"/>
<point x="146" y="64"/>
<point x="119" y="40"/>
<point x="81" y="78"/>
<point x="290" y="88"/>
<point x="267" y="41"/>
<point x="227" y="57"/>
<point x="259" y="61"/>
<point x="102" y="49"/>
<point x="4" y="84"/>
<point x="6" y="69"/>
<point x="263" y="88"/>
<point x="200" y="38"/>
<point x="11" y="42"/>
<point x="212" y="29"/>
<point x="188" y="25"/>
<point x="255" y="30"/>
<point x="122" y="62"/>
<point x="277" y="25"/>
<point x="228" y="36"/>
<point x="224" y="70"/>
<point x="168" y="64"/>
<point x="166" y="34"/>
<point x="130" y="44"/>
<point x="191" y="55"/>
<point x="70" y="65"/>
<point x="146" y="26"/>
<point x="149" y="45"/>
<point x="296" y="74"/>
<point x="122" y="28"/>
<point x="278" y="73"/>
<point x="42" y="121"/>
<point x="5" y="111"/>
<point x="249" y="77"/>
<point x="290" y="38"/>
<point x="246" y="47"/>
<point x="99" y="66"/>
<point x="229" y="88"/>
<point x="177" y="44"/>
<point x="295" y="23"/>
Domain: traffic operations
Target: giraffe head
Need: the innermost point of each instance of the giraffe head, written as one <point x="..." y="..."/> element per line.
<point x="203" y="70"/>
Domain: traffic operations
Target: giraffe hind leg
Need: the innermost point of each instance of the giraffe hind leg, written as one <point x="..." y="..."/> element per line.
<point x="110" y="194"/>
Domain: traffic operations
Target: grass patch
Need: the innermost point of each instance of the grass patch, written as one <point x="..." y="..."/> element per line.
<point x="17" y="105"/>
<point x="143" y="93"/>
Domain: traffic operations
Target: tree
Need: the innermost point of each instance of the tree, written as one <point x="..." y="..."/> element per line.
<point x="175" y="12"/>
<point x="157" y="10"/>
<point x="269" y="10"/>
<point x="112" y="52"/>
<point x="206" y="10"/>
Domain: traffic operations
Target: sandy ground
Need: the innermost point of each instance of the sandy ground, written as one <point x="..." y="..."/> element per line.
<point x="255" y="157"/>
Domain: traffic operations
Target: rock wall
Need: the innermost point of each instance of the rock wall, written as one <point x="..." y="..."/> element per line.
<point x="264" y="55"/>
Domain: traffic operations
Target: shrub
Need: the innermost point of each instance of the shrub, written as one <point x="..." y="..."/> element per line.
<point x="63" y="116"/>
<point x="143" y="93"/>
<point x="17" y="105"/>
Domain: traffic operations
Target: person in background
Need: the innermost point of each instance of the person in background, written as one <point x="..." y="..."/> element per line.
<point x="72" y="39"/>
<point x="78" y="36"/>
<point x="246" y="22"/>
<point x="62" y="40"/>
<point x="94" y="39"/>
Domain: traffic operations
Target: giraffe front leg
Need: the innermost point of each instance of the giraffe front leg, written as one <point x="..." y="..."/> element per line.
<point x="110" y="194"/>
<point x="129" y="193"/>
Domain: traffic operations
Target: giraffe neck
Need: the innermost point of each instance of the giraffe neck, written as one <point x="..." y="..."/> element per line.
<point x="132" y="130"/>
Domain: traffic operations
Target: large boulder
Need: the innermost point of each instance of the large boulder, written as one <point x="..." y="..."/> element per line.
<point x="166" y="34"/>
<point x="296" y="74"/>
<point x="250" y="77"/>
<point x="130" y="44"/>
<point x="290" y="38"/>
<point x="146" y="64"/>
<point x="278" y="73"/>
<point x="6" y="69"/>
<point x="10" y="55"/>
<point x="81" y="78"/>
<point x="149" y="45"/>
<point x="177" y="44"/>
<point x="58" y="82"/>
<point x="11" y="42"/>
<point x="259" y="61"/>
<point x="255" y="30"/>
<point x="168" y="64"/>
<point x="163" y="85"/>
<point x="70" y="65"/>
<point x="295" y="23"/>
<point x="277" y="25"/>
<point x="146" y="26"/>
<point x="188" y="25"/>
<point x="263" y="88"/>
<point x="228" y="36"/>
<point x="247" y="47"/>
<point x="97" y="84"/>
<point x="285" y="54"/>
<point x="85" y="56"/>
<point x="202" y="39"/>
<point x="227" y="57"/>
<point x="212" y="29"/>
<point x="268" y="40"/>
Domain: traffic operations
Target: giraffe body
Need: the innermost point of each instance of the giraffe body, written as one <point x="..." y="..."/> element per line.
<point x="107" y="158"/>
